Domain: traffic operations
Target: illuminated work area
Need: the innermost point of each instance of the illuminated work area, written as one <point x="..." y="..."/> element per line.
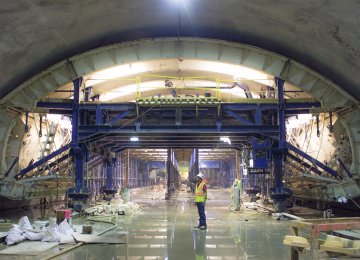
<point x="111" y="130"/>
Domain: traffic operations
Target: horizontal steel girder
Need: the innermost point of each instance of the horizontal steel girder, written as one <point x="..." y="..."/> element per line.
<point x="263" y="103"/>
<point x="243" y="130"/>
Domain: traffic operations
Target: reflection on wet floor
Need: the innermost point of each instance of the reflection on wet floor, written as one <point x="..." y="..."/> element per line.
<point x="164" y="230"/>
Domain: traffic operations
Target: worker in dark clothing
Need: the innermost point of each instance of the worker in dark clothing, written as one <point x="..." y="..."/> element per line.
<point x="200" y="200"/>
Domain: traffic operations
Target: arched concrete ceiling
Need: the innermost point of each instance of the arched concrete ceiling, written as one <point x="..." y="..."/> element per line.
<point x="323" y="35"/>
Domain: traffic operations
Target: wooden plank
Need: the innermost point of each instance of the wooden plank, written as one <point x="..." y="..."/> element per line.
<point x="347" y="251"/>
<point x="296" y="241"/>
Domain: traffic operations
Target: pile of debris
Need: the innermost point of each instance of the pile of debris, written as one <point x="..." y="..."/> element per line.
<point x="61" y="233"/>
<point x="116" y="207"/>
<point x="25" y="238"/>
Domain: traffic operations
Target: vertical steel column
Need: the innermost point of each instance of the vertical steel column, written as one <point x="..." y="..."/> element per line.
<point x="75" y="117"/>
<point x="127" y="169"/>
<point x="79" y="158"/>
<point x="168" y="171"/>
<point x="281" y="113"/>
<point x="87" y="93"/>
<point x="278" y="193"/>
<point x="109" y="176"/>
<point x="80" y="193"/>
<point x="196" y="163"/>
<point x="110" y="173"/>
<point x="40" y="127"/>
<point x="26" y="128"/>
<point x="237" y="165"/>
<point x="99" y="115"/>
<point x="279" y="154"/>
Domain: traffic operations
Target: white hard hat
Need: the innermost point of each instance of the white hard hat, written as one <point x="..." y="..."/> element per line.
<point x="200" y="175"/>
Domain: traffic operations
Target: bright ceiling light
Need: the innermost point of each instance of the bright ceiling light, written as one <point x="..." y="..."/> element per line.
<point x="225" y="139"/>
<point x="117" y="72"/>
<point x="134" y="139"/>
<point x="237" y="71"/>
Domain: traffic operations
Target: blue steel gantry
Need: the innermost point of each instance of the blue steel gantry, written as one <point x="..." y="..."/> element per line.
<point x="105" y="128"/>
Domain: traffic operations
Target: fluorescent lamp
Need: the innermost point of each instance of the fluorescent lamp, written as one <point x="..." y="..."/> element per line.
<point x="245" y="171"/>
<point x="251" y="163"/>
<point x="134" y="139"/>
<point x="225" y="139"/>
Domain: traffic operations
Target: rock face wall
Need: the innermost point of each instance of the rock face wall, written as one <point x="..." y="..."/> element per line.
<point x="55" y="134"/>
<point x="330" y="148"/>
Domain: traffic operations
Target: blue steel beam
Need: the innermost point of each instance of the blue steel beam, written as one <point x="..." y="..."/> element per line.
<point x="305" y="164"/>
<point x="245" y="129"/>
<point x="75" y="116"/>
<point x="118" y="117"/>
<point x="60" y="112"/>
<point x="11" y="167"/>
<point x="61" y="159"/>
<point x="26" y="128"/>
<point x="297" y="111"/>
<point x="279" y="155"/>
<point x="312" y="160"/>
<point x="281" y="113"/>
<point x="258" y="116"/>
<point x="240" y="118"/>
<point x="87" y="93"/>
<point x="88" y="106"/>
<point x="159" y="143"/>
<point x="54" y="105"/>
<point x="279" y="193"/>
<point x="42" y="161"/>
<point x="132" y="106"/>
<point x="109" y="175"/>
<point x="266" y="106"/>
<point x="80" y="153"/>
<point x="99" y="115"/>
<point x="159" y="146"/>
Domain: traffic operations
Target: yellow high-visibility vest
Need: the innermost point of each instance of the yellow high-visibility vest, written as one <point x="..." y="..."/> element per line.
<point x="200" y="195"/>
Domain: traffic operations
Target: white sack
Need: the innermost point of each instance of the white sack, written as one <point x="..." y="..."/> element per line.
<point x="34" y="236"/>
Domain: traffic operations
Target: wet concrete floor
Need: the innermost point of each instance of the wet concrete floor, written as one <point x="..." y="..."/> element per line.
<point x="164" y="230"/>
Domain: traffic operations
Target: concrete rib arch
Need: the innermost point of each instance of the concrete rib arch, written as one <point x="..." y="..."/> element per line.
<point x="332" y="96"/>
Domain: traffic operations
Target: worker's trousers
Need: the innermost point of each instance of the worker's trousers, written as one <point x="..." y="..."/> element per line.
<point x="201" y="211"/>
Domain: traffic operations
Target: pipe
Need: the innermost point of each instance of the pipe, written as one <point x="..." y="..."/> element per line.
<point x="26" y="128"/>
<point x="344" y="167"/>
<point x="317" y="126"/>
<point x="12" y="166"/>
<point x="40" y="131"/>
<point x="331" y="128"/>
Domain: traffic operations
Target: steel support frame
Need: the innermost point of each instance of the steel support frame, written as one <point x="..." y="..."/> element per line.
<point x="80" y="192"/>
<point x="168" y="172"/>
<point x="31" y="167"/>
<point x="278" y="193"/>
<point x="313" y="160"/>
<point x="110" y="173"/>
<point x="123" y="109"/>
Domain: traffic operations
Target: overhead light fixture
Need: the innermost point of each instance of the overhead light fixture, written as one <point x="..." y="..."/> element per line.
<point x="251" y="163"/>
<point x="134" y="139"/>
<point x="225" y="139"/>
<point x="245" y="171"/>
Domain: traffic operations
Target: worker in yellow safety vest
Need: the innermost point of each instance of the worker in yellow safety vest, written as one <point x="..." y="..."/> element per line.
<point x="200" y="200"/>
